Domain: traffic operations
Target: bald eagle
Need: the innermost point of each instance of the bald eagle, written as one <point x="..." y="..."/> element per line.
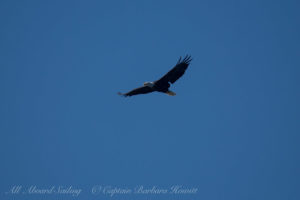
<point x="163" y="84"/>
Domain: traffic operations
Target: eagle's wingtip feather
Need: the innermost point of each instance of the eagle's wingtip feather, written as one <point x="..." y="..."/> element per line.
<point x="119" y="93"/>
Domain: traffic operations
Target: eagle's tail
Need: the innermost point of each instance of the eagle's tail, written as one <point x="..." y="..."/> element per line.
<point x="170" y="93"/>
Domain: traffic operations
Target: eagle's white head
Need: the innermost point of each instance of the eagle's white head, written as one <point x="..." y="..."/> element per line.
<point x="149" y="84"/>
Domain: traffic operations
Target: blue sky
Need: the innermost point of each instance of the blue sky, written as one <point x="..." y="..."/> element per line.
<point x="232" y="131"/>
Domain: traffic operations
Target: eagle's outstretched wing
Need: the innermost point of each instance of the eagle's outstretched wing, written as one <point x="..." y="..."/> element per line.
<point x="140" y="90"/>
<point x="177" y="71"/>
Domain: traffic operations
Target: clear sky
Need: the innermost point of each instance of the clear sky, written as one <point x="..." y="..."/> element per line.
<point x="232" y="131"/>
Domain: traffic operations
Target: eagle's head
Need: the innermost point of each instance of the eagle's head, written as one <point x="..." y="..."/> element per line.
<point x="149" y="84"/>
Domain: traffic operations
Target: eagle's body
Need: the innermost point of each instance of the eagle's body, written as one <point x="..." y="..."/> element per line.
<point x="163" y="84"/>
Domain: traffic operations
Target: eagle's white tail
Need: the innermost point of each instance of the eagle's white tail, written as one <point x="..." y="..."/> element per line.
<point x="170" y="93"/>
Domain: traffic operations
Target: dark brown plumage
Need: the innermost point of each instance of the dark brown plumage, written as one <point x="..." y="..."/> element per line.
<point x="163" y="84"/>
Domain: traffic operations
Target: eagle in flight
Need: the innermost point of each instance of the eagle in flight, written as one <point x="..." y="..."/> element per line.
<point x="163" y="84"/>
